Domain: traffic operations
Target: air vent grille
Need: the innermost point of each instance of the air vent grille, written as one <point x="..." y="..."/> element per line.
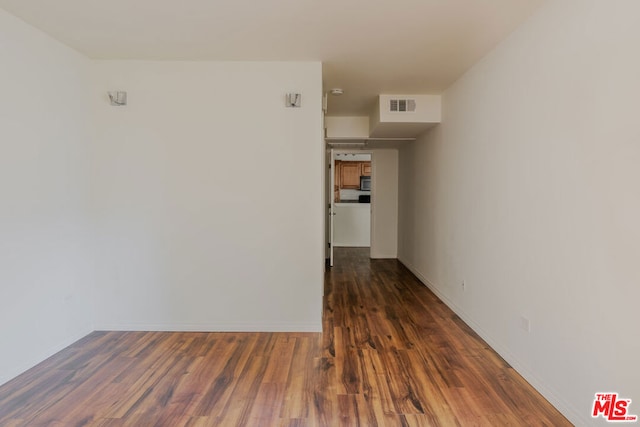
<point x="402" y="105"/>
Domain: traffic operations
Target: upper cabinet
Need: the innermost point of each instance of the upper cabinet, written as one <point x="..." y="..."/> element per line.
<point x="350" y="175"/>
<point x="347" y="174"/>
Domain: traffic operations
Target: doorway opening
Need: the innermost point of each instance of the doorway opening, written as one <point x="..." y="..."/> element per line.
<point x="349" y="219"/>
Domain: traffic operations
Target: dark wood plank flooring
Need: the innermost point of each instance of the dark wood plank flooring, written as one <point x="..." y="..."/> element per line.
<point x="391" y="354"/>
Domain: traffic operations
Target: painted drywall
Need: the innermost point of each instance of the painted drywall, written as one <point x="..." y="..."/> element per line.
<point x="347" y="127"/>
<point x="352" y="225"/>
<point x="528" y="192"/>
<point x="187" y="238"/>
<point x="45" y="257"/>
<point x="384" y="215"/>
<point x="428" y="109"/>
<point x="385" y="123"/>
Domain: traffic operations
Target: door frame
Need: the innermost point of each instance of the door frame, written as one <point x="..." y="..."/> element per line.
<point x="331" y="207"/>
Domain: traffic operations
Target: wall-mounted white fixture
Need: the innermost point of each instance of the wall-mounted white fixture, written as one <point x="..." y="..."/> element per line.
<point x="118" y="98"/>
<point x="336" y="91"/>
<point x="294" y="100"/>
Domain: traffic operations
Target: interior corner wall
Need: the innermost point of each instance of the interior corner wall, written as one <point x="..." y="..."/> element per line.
<point x="209" y="196"/>
<point x="528" y="192"/>
<point x="384" y="215"/>
<point x="45" y="260"/>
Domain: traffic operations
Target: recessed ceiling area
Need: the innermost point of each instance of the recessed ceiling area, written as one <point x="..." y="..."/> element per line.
<point x="368" y="47"/>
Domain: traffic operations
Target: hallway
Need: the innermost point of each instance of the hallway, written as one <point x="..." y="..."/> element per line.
<point x="396" y="355"/>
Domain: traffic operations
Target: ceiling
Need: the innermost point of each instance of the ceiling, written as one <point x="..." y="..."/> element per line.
<point x="367" y="47"/>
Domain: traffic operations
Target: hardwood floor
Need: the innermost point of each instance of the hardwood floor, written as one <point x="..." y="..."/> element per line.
<point x="392" y="354"/>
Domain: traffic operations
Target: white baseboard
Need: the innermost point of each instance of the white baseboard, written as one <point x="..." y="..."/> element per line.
<point x="382" y="255"/>
<point x="214" y="327"/>
<point x="568" y="410"/>
<point x="30" y="362"/>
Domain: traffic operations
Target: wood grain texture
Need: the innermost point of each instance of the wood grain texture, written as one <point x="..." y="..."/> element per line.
<point x="391" y="354"/>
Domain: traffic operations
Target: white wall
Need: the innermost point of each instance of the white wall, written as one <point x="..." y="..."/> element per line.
<point x="189" y="239"/>
<point x="347" y="127"/>
<point x="44" y="251"/>
<point x="428" y="109"/>
<point x="352" y="225"/>
<point x="384" y="194"/>
<point x="529" y="191"/>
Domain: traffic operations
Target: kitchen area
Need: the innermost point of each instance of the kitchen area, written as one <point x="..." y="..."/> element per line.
<point x="352" y="200"/>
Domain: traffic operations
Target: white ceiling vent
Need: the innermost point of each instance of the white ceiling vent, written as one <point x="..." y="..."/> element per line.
<point x="402" y="105"/>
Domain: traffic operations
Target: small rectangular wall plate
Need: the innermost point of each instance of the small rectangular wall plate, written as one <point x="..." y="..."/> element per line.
<point x="294" y="100"/>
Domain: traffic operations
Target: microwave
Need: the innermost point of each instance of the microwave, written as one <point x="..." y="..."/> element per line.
<point x="365" y="183"/>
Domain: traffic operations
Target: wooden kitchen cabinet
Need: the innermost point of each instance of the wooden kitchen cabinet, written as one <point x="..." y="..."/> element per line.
<point x="347" y="176"/>
<point x="337" y="182"/>
<point x="350" y="175"/>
